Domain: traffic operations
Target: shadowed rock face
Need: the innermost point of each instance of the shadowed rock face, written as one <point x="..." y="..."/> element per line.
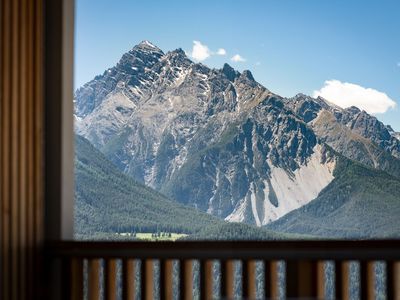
<point x="215" y="138"/>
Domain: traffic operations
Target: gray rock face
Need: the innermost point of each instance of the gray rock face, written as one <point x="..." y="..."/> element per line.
<point x="351" y="132"/>
<point x="215" y="138"/>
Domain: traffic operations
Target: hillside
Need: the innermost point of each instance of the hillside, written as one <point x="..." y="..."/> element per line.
<point x="359" y="203"/>
<point x="107" y="201"/>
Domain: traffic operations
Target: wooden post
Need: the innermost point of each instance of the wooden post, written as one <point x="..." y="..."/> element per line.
<point x="94" y="279"/>
<point x="227" y="279"/>
<point x="128" y="279"/>
<point x="186" y="280"/>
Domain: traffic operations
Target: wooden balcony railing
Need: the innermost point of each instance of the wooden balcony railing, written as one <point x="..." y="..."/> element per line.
<point x="92" y="269"/>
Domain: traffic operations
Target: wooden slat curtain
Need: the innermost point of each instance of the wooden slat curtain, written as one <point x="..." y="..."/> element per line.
<point x="21" y="172"/>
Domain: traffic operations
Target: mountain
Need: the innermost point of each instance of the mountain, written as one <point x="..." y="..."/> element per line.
<point x="352" y="132"/>
<point x="217" y="140"/>
<point x="359" y="203"/>
<point x="107" y="201"/>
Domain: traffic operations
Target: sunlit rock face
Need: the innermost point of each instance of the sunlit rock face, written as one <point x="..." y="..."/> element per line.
<point x="218" y="140"/>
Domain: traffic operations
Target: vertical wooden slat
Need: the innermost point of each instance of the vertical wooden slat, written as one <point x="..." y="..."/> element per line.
<point x="110" y="276"/>
<point x="30" y="149"/>
<point x="249" y="279"/>
<point x="274" y="286"/>
<point x="5" y="169"/>
<point x="1" y="133"/>
<point x="320" y="265"/>
<point x="14" y="148"/>
<point x="267" y="279"/>
<point x="367" y="278"/>
<point x="38" y="116"/>
<point x="206" y="279"/>
<point x="186" y="279"/>
<point x="342" y="282"/>
<point x="227" y="279"/>
<point x="128" y="279"/>
<point x="393" y="280"/>
<point x="147" y="279"/>
<point x="23" y="153"/>
<point x="302" y="279"/>
<point x="20" y="27"/>
<point x="94" y="279"/>
<point x="166" y="279"/>
<point x="76" y="278"/>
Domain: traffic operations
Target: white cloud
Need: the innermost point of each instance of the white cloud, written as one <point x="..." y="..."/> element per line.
<point x="237" y="58"/>
<point x="346" y="94"/>
<point x="221" y="51"/>
<point x="200" y="52"/>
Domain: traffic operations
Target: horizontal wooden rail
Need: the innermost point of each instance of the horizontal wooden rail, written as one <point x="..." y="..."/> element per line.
<point x="304" y="267"/>
<point x="272" y="250"/>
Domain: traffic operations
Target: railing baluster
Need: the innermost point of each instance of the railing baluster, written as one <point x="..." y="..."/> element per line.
<point x="393" y="280"/>
<point x="206" y="279"/>
<point x="320" y="265"/>
<point x="227" y="279"/>
<point x="186" y="279"/>
<point x="94" y="279"/>
<point x="302" y="279"/>
<point x="110" y="275"/>
<point x="128" y="279"/>
<point x="249" y="279"/>
<point x="342" y="281"/>
<point x="274" y="277"/>
<point x="147" y="279"/>
<point x="367" y="280"/>
<point x="166" y="279"/>
<point x="76" y="278"/>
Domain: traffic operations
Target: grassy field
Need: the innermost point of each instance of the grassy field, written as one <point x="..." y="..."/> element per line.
<point x="148" y="236"/>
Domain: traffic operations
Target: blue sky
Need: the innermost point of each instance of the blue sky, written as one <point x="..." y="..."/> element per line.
<point x="344" y="49"/>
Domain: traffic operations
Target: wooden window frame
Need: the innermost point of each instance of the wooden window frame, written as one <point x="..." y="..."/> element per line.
<point x="59" y="132"/>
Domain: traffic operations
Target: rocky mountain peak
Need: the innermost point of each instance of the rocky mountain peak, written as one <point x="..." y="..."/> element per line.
<point x="146" y="45"/>
<point x="230" y="72"/>
<point x="247" y="74"/>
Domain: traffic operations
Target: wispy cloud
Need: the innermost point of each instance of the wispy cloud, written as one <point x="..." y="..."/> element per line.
<point x="398" y="64"/>
<point x="221" y="51"/>
<point x="237" y="58"/>
<point x="200" y="52"/>
<point x="346" y="94"/>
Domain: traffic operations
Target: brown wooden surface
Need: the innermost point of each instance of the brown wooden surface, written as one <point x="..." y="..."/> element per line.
<point x="302" y="279"/>
<point x="223" y="250"/>
<point x="206" y="279"/>
<point x="166" y="279"/>
<point x="186" y="279"/>
<point x="147" y="279"/>
<point x="110" y="276"/>
<point x="320" y="265"/>
<point x="128" y="279"/>
<point x="249" y="279"/>
<point x="393" y="280"/>
<point x="342" y="281"/>
<point x="227" y="279"/>
<point x="367" y="278"/>
<point x="274" y="287"/>
<point x="76" y="279"/>
<point x="21" y="174"/>
<point x="94" y="279"/>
